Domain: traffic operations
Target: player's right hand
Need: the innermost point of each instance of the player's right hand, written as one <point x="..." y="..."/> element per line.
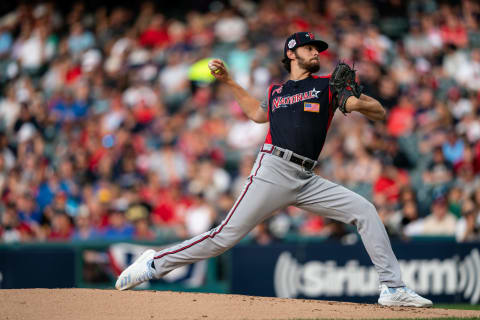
<point x="218" y="70"/>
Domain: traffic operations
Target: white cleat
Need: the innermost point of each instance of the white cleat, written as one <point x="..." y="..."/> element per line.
<point x="401" y="297"/>
<point x="139" y="271"/>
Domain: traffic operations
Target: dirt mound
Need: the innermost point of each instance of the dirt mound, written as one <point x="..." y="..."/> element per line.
<point x="89" y="304"/>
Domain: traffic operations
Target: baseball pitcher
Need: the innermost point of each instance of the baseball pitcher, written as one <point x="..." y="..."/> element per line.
<point x="300" y="112"/>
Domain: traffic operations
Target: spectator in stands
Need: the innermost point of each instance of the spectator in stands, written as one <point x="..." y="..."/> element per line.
<point x="27" y="210"/>
<point x="83" y="229"/>
<point x="468" y="227"/>
<point x="453" y="148"/>
<point x="455" y="197"/>
<point x="155" y="35"/>
<point x="466" y="178"/>
<point x="13" y="230"/>
<point x="199" y="217"/>
<point x="439" y="173"/>
<point x="79" y="39"/>
<point x="143" y="231"/>
<point x="401" y="119"/>
<point x="118" y="227"/>
<point x="440" y="221"/>
<point x="61" y="227"/>
<point x="390" y="182"/>
<point x="400" y="219"/>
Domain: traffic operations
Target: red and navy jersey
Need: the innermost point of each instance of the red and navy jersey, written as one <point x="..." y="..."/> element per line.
<point x="300" y="113"/>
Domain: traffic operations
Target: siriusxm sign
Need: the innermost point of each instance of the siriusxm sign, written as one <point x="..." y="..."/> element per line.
<point x="441" y="270"/>
<point x="448" y="276"/>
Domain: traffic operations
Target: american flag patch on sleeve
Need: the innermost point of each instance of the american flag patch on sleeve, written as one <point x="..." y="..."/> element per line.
<point x="311" y="107"/>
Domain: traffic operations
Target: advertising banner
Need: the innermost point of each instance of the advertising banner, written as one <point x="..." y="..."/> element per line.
<point x="441" y="271"/>
<point x="34" y="267"/>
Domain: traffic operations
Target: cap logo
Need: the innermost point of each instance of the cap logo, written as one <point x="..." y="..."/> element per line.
<point x="310" y="35"/>
<point x="291" y="44"/>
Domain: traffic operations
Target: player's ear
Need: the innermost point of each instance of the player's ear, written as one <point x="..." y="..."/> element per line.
<point x="291" y="55"/>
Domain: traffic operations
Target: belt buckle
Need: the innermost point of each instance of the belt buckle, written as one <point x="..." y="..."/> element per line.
<point x="308" y="161"/>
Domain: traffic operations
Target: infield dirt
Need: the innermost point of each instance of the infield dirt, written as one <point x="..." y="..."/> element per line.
<point x="53" y="304"/>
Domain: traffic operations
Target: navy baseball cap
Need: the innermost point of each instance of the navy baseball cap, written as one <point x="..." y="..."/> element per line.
<point x="302" y="38"/>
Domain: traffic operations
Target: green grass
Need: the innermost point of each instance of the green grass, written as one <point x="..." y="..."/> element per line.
<point x="412" y="319"/>
<point x="436" y="319"/>
<point x="458" y="306"/>
<point x="476" y="318"/>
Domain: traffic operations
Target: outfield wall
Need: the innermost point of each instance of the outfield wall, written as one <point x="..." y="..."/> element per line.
<point x="442" y="270"/>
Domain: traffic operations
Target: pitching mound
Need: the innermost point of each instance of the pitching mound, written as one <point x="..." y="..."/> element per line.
<point x="114" y="305"/>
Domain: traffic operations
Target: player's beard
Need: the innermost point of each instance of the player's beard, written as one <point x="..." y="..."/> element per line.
<point x="312" y="66"/>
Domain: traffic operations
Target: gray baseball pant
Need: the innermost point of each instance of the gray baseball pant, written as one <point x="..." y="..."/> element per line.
<point x="275" y="183"/>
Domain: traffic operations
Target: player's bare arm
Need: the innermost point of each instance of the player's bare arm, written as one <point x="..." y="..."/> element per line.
<point x="348" y="95"/>
<point x="366" y="105"/>
<point x="250" y="105"/>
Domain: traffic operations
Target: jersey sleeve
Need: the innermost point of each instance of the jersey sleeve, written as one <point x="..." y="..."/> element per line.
<point x="330" y="97"/>
<point x="331" y="107"/>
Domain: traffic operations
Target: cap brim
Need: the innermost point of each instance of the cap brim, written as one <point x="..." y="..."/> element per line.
<point x="321" y="45"/>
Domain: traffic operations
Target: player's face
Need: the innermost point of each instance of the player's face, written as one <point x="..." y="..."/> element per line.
<point x="307" y="58"/>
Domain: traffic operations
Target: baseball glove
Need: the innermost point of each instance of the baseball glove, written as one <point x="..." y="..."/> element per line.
<point x="343" y="85"/>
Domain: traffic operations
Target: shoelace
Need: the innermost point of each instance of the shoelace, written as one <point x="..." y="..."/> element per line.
<point x="410" y="291"/>
<point x="407" y="291"/>
<point x="148" y="274"/>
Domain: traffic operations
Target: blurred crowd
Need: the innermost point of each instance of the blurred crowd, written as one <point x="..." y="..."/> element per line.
<point x="111" y="127"/>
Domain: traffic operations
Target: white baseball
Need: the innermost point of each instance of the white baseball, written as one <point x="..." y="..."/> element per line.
<point x="211" y="66"/>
